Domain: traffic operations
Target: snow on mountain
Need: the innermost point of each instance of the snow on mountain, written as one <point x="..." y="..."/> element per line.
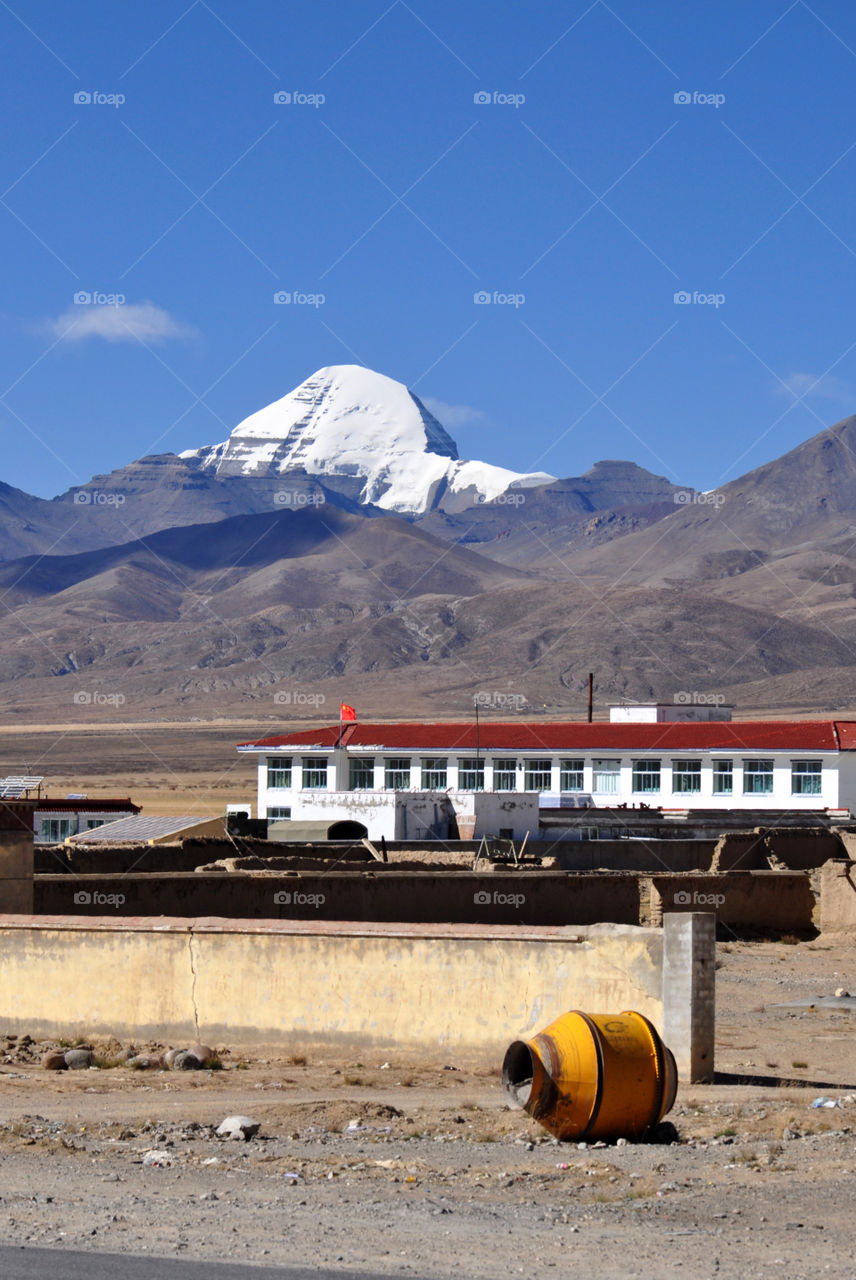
<point x="349" y="421"/>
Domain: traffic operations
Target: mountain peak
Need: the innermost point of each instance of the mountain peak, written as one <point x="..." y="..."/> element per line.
<point x="347" y="420"/>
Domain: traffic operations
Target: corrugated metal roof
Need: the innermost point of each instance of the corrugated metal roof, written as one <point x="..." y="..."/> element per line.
<point x="138" y="828"/>
<point x="732" y="735"/>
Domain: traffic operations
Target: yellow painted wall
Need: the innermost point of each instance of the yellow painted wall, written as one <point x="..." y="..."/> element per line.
<point x="432" y="990"/>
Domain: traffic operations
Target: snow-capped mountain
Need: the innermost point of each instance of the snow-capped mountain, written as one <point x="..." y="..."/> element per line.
<point x="349" y="421"/>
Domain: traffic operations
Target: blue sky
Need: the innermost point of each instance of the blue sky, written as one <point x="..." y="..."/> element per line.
<point x="428" y="152"/>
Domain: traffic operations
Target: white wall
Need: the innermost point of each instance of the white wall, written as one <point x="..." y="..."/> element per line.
<point x="306" y="804"/>
<point x="79" y="819"/>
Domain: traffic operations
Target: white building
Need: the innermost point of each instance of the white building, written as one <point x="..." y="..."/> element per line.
<point x="351" y="769"/>
<point x="55" y="820"/>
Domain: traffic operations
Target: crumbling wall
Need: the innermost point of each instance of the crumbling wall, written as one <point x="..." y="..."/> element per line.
<point x="775" y="901"/>
<point x="838" y="897"/>
<point x="16" y="871"/>
<point x="498" y="896"/>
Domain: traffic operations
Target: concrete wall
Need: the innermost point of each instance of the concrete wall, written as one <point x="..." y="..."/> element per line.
<point x="420" y="815"/>
<point x="496" y="811"/>
<point x="445" y="992"/>
<point x="495" y="897"/>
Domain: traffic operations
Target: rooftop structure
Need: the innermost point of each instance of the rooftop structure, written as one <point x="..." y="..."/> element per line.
<point x="151" y="829"/>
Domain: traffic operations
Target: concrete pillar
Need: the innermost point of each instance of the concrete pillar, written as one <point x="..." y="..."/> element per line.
<point x="689" y="999"/>
<point x="16" y="857"/>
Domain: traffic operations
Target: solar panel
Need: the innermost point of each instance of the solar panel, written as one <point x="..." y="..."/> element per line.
<point x="17" y="785"/>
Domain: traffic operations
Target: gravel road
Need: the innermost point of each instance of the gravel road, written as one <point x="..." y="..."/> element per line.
<point x="406" y="1168"/>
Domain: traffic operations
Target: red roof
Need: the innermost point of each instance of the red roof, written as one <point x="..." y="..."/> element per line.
<point x="94" y="805"/>
<point x="734" y="735"/>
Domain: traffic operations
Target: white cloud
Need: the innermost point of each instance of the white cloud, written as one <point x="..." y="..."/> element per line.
<point x="827" y="386"/>
<point x="117" y="322"/>
<point x="453" y="415"/>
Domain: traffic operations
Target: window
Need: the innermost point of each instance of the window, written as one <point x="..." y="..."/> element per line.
<point x="92" y="823"/>
<point x="279" y="772"/>
<point x="55" y="830"/>
<point x="471" y="775"/>
<point x="274" y="814"/>
<point x="686" y="777"/>
<point x="315" y="773"/>
<point x="571" y="776"/>
<point x="396" y="773"/>
<point x="537" y="775"/>
<point x="505" y="775"/>
<point x="435" y="773"/>
<point x="723" y="777"/>
<point x="806" y="777"/>
<point x="607" y="774"/>
<point x="757" y="777"/>
<point x="646" y="776"/>
<point x="361" y="775"/>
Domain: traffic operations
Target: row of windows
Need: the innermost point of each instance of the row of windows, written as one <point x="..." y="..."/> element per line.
<point x="434" y="774"/>
<point x="536" y="775"/>
<point x="55" y="830"/>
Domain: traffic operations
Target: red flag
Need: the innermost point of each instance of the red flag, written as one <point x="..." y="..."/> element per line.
<point x="346" y="712"/>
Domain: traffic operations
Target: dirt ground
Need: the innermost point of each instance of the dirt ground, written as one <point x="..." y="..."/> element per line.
<point x="415" y="1168"/>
